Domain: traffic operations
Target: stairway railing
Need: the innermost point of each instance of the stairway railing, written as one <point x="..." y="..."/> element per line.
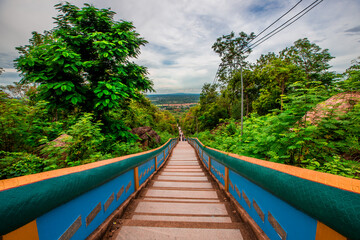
<point x="287" y="202"/>
<point x="73" y="202"/>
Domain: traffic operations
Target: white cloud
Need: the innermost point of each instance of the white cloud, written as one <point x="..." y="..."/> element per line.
<point x="180" y="33"/>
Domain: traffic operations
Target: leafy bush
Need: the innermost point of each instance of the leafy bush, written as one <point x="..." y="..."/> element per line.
<point x="283" y="138"/>
<point x="164" y="137"/>
<point x="83" y="141"/>
<point x="86" y="138"/>
<point x="336" y="166"/>
<point x="125" y="148"/>
<point x="17" y="164"/>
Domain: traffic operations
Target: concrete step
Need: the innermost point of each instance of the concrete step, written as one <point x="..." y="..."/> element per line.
<point x="183" y="163"/>
<point x="164" y="233"/>
<point x="181" y="194"/>
<point x="184" y="157"/>
<point x="183" y="170"/>
<point x="164" y="184"/>
<point x="174" y="173"/>
<point x="179" y="178"/>
<point x="183" y="200"/>
<point x="190" y="166"/>
<point x="181" y="224"/>
<point x="208" y="209"/>
<point x="181" y="218"/>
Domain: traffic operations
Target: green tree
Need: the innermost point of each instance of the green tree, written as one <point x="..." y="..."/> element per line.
<point x="84" y="62"/>
<point x="351" y="77"/>
<point x="233" y="51"/>
<point x="311" y="58"/>
<point x="274" y="80"/>
<point x="208" y="94"/>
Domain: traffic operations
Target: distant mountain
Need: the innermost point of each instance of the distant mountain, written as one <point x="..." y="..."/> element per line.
<point x="174" y="98"/>
<point x="162" y="94"/>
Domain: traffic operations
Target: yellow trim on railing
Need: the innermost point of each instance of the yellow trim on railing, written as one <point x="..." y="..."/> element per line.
<point x="324" y="232"/>
<point x="24" y="180"/>
<point x="28" y="232"/>
<point x="226" y="179"/>
<point x="332" y="180"/>
<point x="156" y="168"/>
<point x="136" y="178"/>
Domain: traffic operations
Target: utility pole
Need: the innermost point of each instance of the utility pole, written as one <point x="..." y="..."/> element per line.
<point x="242" y="99"/>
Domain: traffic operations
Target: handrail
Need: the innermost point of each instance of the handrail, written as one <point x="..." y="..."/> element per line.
<point x="26" y="198"/>
<point x="335" y="207"/>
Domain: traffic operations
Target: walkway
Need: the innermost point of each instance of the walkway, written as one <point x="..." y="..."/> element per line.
<point x="181" y="203"/>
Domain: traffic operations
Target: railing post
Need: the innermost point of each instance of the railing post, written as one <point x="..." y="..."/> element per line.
<point x="156" y="168"/>
<point x="136" y="178"/>
<point x="227" y="179"/>
<point x="164" y="155"/>
<point x="202" y="155"/>
<point x="209" y="163"/>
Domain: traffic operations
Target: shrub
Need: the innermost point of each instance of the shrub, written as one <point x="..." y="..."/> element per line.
<point x="17" y="164"/>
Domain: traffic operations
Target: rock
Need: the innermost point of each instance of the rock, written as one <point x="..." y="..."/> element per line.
<point x="147" y="134"/>
<point x="61" y="141"/>
<point x="339" y="104"/>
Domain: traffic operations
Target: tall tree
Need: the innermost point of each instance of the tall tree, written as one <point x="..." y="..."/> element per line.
<point x="311" y="58"/>
<point x="208" y="94"/>
<point x="276" y="77"/>
<point x="233" y="51"/>
<point x="84" y="62"/>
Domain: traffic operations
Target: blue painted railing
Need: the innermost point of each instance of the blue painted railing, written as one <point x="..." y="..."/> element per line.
<point x="283" y="204"/>
<point x="72" y="205"/>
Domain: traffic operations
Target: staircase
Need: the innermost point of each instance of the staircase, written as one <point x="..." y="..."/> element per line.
<point x="181" y="202"/>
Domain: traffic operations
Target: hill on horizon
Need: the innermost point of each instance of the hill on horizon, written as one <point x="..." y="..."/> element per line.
<point x="161" y="94"/>
<point x="173" y="98"/>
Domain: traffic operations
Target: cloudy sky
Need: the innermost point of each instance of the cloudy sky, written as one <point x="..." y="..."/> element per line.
<point x="181" y="32"/>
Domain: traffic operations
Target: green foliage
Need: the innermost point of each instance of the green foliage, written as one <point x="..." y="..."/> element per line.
<point x="143" y="113"/>
<point x="125" y="148"/>
<point x="232" y="51"/>
<point x="284" y="138"/>
<point x="15" y="164"/>
<point x="83" y="141"/>
<point x="86" y="138"/>
<point x="22" y="125"/>
<point x="351" y="77"/>
<point x="164" y="137"/>
<point x="78" y="83"/>
<point x="279" y="91"/>
<point x="313" y="60"/>
<point x="336" y="166"/>
<point x="84" y="61"/>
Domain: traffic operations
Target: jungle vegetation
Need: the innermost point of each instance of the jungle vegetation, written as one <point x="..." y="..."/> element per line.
<point x="279" y="89"/>
<point x="78" y="82"/>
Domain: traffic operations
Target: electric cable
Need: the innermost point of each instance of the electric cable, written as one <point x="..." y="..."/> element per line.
<point x="276" y="21"/>
<point x="255" y="45"/>
<point x="311" y="6"/>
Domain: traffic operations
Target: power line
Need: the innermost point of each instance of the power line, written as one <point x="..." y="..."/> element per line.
<point x="268" y="34"/>
<point x="255" y="45"/>
<point x="302" y="12"/>
<point x="215" y="78"/>
<point x="276" y="21"/>
<point x="278" y="29"/>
